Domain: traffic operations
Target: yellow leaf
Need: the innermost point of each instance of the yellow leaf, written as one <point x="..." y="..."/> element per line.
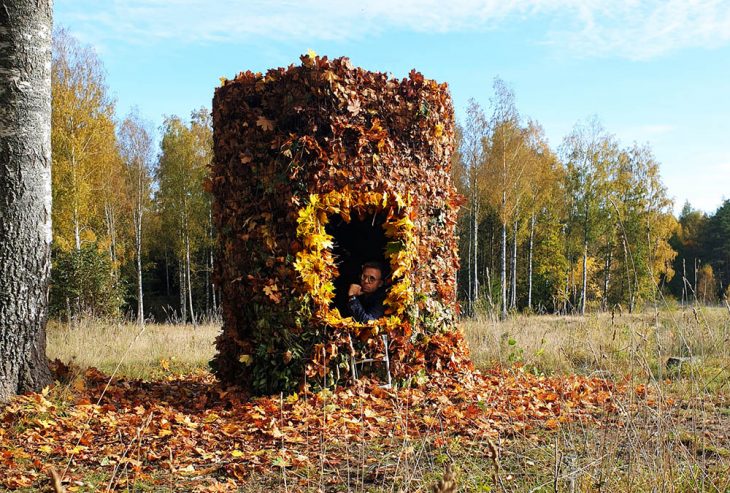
<point x="399" y="200"/>
<point x="76" y="449"/>
<point x="79" y="384"/>
<point x="46" y="449"/>
<point x="164" y="433"/>
<point x="292" y="398"/>
<point x="46" y="423"/>
<point x="311" y="54"/>
<point x="246" y="359"/>
<point x="237" y="453"/>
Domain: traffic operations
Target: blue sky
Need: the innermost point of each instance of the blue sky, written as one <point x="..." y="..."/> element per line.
<point x="654" y="72"/>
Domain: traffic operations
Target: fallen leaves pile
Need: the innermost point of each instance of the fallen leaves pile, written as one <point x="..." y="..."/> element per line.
<point x="191" y="426"/>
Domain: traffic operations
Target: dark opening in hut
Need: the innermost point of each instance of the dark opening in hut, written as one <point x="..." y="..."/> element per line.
<point x="361" y="240"/>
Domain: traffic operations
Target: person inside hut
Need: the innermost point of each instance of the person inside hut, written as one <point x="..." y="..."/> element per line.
<point x="365" y="300"/>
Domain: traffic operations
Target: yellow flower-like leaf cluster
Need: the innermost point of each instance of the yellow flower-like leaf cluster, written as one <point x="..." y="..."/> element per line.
<point x="315" y="262"/>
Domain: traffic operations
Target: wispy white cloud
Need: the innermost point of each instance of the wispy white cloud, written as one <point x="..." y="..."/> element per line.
<point x="639" y="30"/>
<point x="625" y="28"/>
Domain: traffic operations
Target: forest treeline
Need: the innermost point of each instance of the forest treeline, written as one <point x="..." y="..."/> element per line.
<point x="586" y="226"/>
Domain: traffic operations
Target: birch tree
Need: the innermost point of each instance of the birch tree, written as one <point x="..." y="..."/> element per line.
<point x="25" y="194"/>
<point x="506" y="166"/>
<point x="472" y="153"/>
<point x="135" y="141"/>
<point x="84" y="144"/>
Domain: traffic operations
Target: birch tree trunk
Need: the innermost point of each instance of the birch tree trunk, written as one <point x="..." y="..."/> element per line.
<point x="167" y="274"/>
<point x="76" y="219"/>
<point x="475" y="232"/>
<point x="183" y="290"/>
<point x="111" y="229"/>
<point x="25" y="201"/>
<point x="585" y="278"/>
<point x="529" y="263"/>
<point x="504" y="258"/>
<point x="211" y="265"/>
<point x="187" y="272"/>
<point x="139" y="210"/>
<point x="583" y="295"/>
<point x="513" y="300"/>
<point x="607" y="277"/>
<point x="469" y="271"/>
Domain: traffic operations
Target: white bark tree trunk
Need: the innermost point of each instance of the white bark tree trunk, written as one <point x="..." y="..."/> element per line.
<point x="139" y="210"/>
<point x="607" y="277"/>
<point x="504" y="258"/>
<point x="513" y="300"/>
<point x="187" y="272"/>
<point x="76" y="219"/>
<point x="529" y="263"/>
<point x="183" y="291"/>
<point x="475" y="252"/>
<point x="25" y="201"/>
<point x="585" y="278"/>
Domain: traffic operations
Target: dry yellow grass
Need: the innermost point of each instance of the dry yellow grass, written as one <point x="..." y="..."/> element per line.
<point x="158" y="349"/>
<point x="630" y="344"/>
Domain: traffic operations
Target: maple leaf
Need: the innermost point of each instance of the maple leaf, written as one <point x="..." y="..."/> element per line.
<point x="265" y="124"/>
<point x="272" y="291"/>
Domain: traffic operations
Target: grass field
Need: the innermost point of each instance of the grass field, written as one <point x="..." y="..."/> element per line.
<point x="675" y="440"/>
<point x="124" y="349"/>
<point x="671" y="434"/>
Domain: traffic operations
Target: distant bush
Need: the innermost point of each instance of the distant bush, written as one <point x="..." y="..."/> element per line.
<point x="83" y="283"/>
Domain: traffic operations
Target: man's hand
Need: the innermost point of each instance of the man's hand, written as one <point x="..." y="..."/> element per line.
<point x="355" y="290"/>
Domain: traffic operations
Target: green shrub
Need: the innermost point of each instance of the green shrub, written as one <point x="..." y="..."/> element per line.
<point x="83" y="282"/>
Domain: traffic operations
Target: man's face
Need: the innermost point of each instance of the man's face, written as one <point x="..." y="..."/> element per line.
<point x="371" y="279"/>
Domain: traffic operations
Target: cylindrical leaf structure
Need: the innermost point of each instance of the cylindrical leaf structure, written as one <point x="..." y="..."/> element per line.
<point x="318" y="168"/>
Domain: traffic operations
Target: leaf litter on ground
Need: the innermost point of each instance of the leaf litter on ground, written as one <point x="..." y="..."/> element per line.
<point x="193" y="426"/>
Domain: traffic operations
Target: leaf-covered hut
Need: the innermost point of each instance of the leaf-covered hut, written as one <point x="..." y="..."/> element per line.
<point x="319" y="168"/>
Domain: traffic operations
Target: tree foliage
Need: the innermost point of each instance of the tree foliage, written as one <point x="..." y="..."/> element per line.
<point x="588" y="229"/>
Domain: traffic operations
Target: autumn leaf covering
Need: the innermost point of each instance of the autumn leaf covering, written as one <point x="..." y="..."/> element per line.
<point x="293" y="149"/>
<point x="132" y="431"/>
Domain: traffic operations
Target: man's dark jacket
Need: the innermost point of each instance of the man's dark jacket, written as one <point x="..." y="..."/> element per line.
<point x="367" y="307"/>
